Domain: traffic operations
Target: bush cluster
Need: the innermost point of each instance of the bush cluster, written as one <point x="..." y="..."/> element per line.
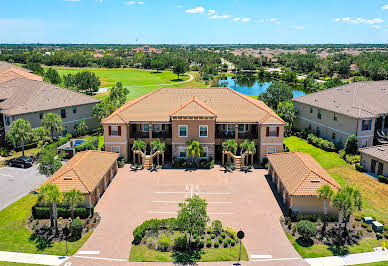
<point x="306" y="229"/>
<point x="321" y="143"/>
<point x="76" y="228"/>
<point x="43" y="212"/>
<point x="154" y="225"/>
<point x="314" y="217"/>
<point x="383" y="179"/>
<point x="85" y="146"/>
<point x="359" y="168"/>
<point x="198" y="164"/>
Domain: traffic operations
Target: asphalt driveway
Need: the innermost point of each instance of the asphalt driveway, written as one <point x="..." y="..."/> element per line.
<point x="17" y="182"/>
<point x="240" y="200"/>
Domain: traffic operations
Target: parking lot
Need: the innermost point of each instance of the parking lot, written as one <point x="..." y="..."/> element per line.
<point x="17" y="182"/>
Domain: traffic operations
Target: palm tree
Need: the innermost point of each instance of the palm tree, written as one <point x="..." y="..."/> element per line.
<point x="250" y="147"/>
<point x="194" y="149"/>
<point x="20" y="132"/>
<point x="52" y="122"/>
<point x="325" y="193"/>
<point x="51" y="195"/>
<point x="347" y="200"/>
<point x="231" y="146"/>
<point x="158" y="146"/>
<point x="73" y="197"/>
<point x="138" y="145"/>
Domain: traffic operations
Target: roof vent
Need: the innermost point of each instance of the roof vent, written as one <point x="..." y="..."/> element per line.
<point x="315" y="180"/>
<point x="68" y="178"/>
<point x="380" y="149"/>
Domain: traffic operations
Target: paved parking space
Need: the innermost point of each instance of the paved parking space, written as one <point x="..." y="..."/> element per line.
<point x="240" y="200"/>
<point x="17" y="182"/>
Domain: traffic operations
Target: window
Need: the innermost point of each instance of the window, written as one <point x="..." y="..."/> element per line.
<point x="319" y="114"/>
<point x="115" y="149"/>
<point x="318" y="132"/>
<point x="182" y="152"/>
<point x="366" y="125"/>
<point x="7" y="121"/>
<point x="364" y="143"/>
<point x="335" y="117"/>
<point x="310" y="127"/>
<point x="241" y="128"/>
<point x="40" y="115"/>
<point x="182" y="131"/>
<point x="203" y="131"/>
<point x="163" y="127"/>
<point x="271" y="150"/>
<point x="205" y="152"/>
<point x="64" y="130"/>
<point x="333" y="136"/>
<point x="74" y="110"/>
<point x="272" y="131"/>
<point x="156" y="127"/>
<point x="115" y="131"/>
<point x="229" y="128"/>
<point x="311" y="110"/>
<point x="145" y="127"/>
<point x="63" y="113"/>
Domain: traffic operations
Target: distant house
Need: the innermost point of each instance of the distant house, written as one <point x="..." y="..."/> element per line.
<point x="97" y="55"/>
<point x="146" y="50"/>
<point x="24" y="95"/>
<point x="90" y="172"/>
<point x="358" y="108"/>
<point x="297" y="177"/>
<point x="375" y="159"/>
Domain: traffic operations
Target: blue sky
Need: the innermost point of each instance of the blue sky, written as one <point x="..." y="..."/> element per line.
<point x="193" y="21"/>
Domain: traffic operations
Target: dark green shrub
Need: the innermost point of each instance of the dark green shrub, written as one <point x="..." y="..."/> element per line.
<point x="69" y="136"/>
<point x="385" y="227"/>
<point x="180" y="243"/>
<point x="85" y="146"/>
<point x="364" y="225"/>
<point x="233" y="242"/>
<point x="209" y="230"/>
<point x="306" y="229"/>
<point x="223" y="234"/>
<point x="217" y="226"/>
<point x="43" y="212"/>
<point x="76" y="227"/>
<point x="121" y="162"/>
<point x="213" y="236"/>
<point x="386" y="235"/>
<point x="315" y="217"/>
<point x="379" y="236"/>
<point x="216" y="244"/>
<point x="359" y="168"/>
<point x="357" y="218"/>
<point x="369" y="229"/>
<point x="226" y="244"/>
<point x="195" y="235"/>
<point x="351" y="145"/>
<point x="164" y="243"/>
<point x="209" y="243"/>
<point x="383" y="179"/>
<point x="201" y="244"/>
<point x="154" y="225"/>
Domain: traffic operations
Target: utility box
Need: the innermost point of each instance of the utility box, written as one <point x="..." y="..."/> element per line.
<point x="368" y="220"/>
<point x="377" y="227"/>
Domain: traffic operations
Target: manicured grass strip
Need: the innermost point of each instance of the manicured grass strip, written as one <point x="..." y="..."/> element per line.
<point x="375" y="193"/>
<point x="316" y="251"/>
<point x="15" y="236"/>
<point x="381" y="263"/>
<point x="8" y="263"/>
<point x="141" y="253"/>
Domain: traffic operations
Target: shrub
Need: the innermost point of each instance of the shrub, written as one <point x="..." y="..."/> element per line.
<point x="342" y="154"/>
<point x="213" y="236"/>
<point x="195" y="235"/>
<point x="209" y="243"/>
<point x="231" y="232"/>
<point x="85" y="146"/>
<point x="121" y="162"/>
<point x="220" y="240"/>
<point x="208" y="238"/>
<point x="352" y="159"/>
<point x="217" y="226"/>
<point x="315" y="217"/>
<point x="357" y="218"/>
<point x="383" y="179"/>
<point x="379" y="236"/>
<point x="369" y="229"/>
<point x="364" y="225"/>
<point x="233" y="242"/>
<point x="76" y="228"/>
<point x="154" y="225"/>
<point x="202" y="236"/>
<point x="43" y="212"/>
<point x="386" y="235"/>
<point x="69" y="136"/>
<point x="209" y="230"/>
<point x="359" y="168"/>
<point x="223" y="234"/>
<point x="201" y="244"/>
<point x="306" y="229"/>
<point x="226" y="244"/>
<point x="180" y="243"/>
<point x="216" y="244"/>
<point x="164" y="243"/>
<point x="351" y="145"/>
<point x="385" y="227"/>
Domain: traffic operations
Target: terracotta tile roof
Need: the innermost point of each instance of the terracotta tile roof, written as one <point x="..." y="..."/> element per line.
<point x="300" y="173"/>
<point x="84" y="171"/>
<point x="193" y="107"/>
<point x="4" y="66"/>
<point x="13" y="73"/>
<point x="358" y="99"/>
<point x="22" y="95"/>
<point x="228" y="105"/>
<point x="380" y="152"/>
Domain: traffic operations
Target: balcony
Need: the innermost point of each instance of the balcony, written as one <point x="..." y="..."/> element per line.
<point x="228" y="134"/>
<point x="155" y="134"/>
<point x="248" y="135"/>
<point x="221" y="134"/>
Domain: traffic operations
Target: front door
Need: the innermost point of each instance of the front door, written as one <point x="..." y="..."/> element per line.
<point x="380" y="169"/>
<point x="373" y="166"/>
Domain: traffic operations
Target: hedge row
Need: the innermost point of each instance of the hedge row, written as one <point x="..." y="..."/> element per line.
<point x="153" y="224"/>
<point x="314" y="217"/>
<point x="321" y="143"/>
<point x="42" y="212"/>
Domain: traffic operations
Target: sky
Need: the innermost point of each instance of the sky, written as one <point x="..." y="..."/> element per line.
<point x="194" y="21"/>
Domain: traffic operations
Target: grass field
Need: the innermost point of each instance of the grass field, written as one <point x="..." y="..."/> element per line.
<point x="375" y="193"/>
<point x="141" y="253"/>
<point x="14" y="236"/>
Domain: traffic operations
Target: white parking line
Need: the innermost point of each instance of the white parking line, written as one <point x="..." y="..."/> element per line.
<point x="98" y="258"/>
<point x="255" y="256"/>
<point x="180" y="192"/>
<point x="170" y="212"/>
<point x="88" y="252"/>
<point x="277" y="259"/>
<point x="176" y="202"/>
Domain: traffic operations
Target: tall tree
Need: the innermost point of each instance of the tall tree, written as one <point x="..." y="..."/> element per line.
<point x="351" y="145"/>
<point x="20" y="132"/>
<point x="86" y="81"/>
<point x="49" y="161"/>
<point x="180" y="66"/>
<point x="73" y="198"/>
<point x="192" y="216"/>
<point x="52" y="195"/>
<point x="287" y="111"/>
<point x="277" y="92"/>
<point x="325" y="193"/>
<point x="41" y="135"/>
<point x="35" y="67"/>
<point x="52" y="122"/>
<point x="82" y="128"/>
<point x="52" y="76"/>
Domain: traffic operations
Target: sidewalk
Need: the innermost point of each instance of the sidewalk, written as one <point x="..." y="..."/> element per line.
<point x="351" y="259"/>
<point x="32" y="258"/>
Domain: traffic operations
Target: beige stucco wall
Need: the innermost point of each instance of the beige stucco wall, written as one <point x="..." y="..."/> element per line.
<point x="193" y="131"/>
<point x="310" y="205"/>
<point x="266" y="142"/>
<point x="121" y="141"/>
<point x="84" y="112"/>
<point x="366" y="161"/>
<point x="343" y="127"/>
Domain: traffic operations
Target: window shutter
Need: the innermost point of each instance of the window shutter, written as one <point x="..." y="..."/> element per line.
<point x="110" y="130"/>
<point x="277" y="131"/>
<point x="267" y="133"/>
<point x="119" y="127"/>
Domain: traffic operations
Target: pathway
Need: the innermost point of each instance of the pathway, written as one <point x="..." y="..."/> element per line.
<point x="103" y="90"/>
<point x="32" y="258"/>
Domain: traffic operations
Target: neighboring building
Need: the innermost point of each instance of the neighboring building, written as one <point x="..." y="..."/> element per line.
<point x="28" y="99"/>
<point x="298" y="177"/>
<point x="14" y="73"/>
<point x="146" y="50"/>
<point x="375" y="159"/>
<point x="209" y="115"/>
<point x="90" y="172"/>
<point x="358" y="108"/>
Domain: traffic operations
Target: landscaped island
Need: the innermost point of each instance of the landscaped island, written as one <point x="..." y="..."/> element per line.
<point x="186" y="238"/>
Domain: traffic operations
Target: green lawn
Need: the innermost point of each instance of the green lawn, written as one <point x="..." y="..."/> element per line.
<point x="381" y="263"/>
<point x="7" y="263"/>
<point x="14" y="236"/>
<point x="141" y="253"/>
<point x="315" y="251"/>
<point x="375" y="193"/>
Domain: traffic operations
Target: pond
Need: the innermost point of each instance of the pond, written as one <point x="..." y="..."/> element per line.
<point x="249" y="85"/>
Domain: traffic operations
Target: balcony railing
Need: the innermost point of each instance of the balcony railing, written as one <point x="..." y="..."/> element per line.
<point x="155" y="134"/>
<point x="241" y="135"/>
<point x="225" y="135"/>
<point x="247" y="135"/>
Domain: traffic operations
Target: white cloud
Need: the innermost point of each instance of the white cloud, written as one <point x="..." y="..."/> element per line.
<point x="299" y="27"/>
<point x="245" y="19"/>
<point x="211" y="12"/>
<point x="384" y="7"/>
<point x="140" y="3"/>
<point x="219" y="16"/>
<point x="129" y="3"/>
<point x="179" y="6"/>
<point x="199" y="9"/>
<point x="236" y="19"/>
<point x="359" y="20"/>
